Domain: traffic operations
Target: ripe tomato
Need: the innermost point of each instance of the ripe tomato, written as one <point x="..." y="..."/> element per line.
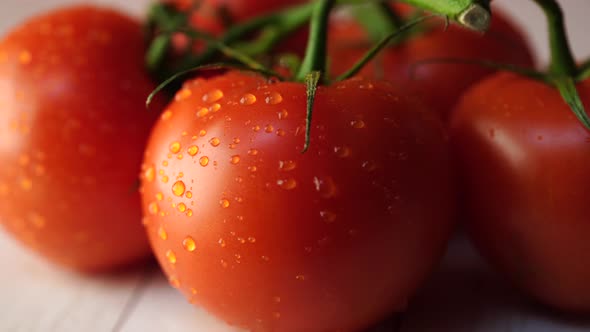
<point x="72" y="134"/>
<point x="268" y="238"/>
<point x="441" y="85"/>
<point x="525" y="161"/>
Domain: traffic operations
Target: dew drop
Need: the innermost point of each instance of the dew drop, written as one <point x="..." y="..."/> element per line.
<point x="256" y="128"/>
<point x="189" y="244"/>
<point x="357" y="124"/>
<point x="182" y="207"/>
<point x="149" y="174"/>
<point x="288" y="184"/>
<point x="265" y="258"/>
<point x="236" y="140"/>
<point x="342" y="151"/>
<point x="193" y="150"/>
<point x="189" y="213"/>
<point x="248" y="99"/>
<point x="223" y="263"/>
<point x="283" y="114"/>
<point x="276" y="299"/>
<point x="171" y="256"/>
<point x="214" y="108"/>
<point x="252" y="239"/>
<point x="202" y="133"/>
<point x="235" y="159"/>
<point x="222" y="243"/>
<point x="26" y="184"/>
<point x="253" y="152"/>
<point x="153" y="208"/>
<point x="166" y="115"/>
<point x="175" y="147"/>
<point x="325" y="186"/>
<point x="287" y="165"/>
<point x="174" y="282"/>
<point x="269" y="129"/>
<point x="178" y="188"/>
<point x="224" y="203"/>
<point x="215" y="141"/>
<point x="165" y="179"/>
<point x="281" y="133"/>
<point x="300" y="277"/>
<point x="183" y="94"/>
<point x="213" y="96"/>
<point x="189" y="194"/>
<point x="204" y="161"/>
<point x="203" y="112"/>
<point x="159" y="196"/>
<point x="274" y="98"/>
<point x="162" y="233"/>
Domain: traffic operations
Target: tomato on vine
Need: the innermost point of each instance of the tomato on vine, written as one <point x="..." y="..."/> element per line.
<point x="524" y="158"/>
<point x="71" y="137"/>
<point x="269" y="238"/>
<point x="440" y="84"/>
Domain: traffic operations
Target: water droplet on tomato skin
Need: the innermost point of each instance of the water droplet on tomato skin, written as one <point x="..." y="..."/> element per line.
<point x="162" y="233"/>
<point x="204" y="161"/>
<point x="287" y="184"/>
<point x="357" y="124"/>
<point x="193" y="150"/>
<point x="283" y="114"/>
<point x="153" y="208"/>
<point x="287" y="165"/>
<point x="182" y="207"/>
<point x="189" y="244"/>
<point x="248" y="99"/>
<point x="174" y="282"/>
<point x="183" y="94"/>
<point x="325" y="186"/>
<point x="253" y="152"/>
<point x="269" y="129"/>
<point x="214" y="108"/>
<point x="235" y="160"/>
<point x="274" y="98"/>
<point x="224" y="203"/>
<point x="328" y="216"/>
<point x="342" y="151"/>
<point x="203" y="112"/>
<point x="178" y="188"/>
<point x="171" y="256"/>
<point x="149" y="174"/>
<point x="215" y="141"/>
<point x="213" y="96"/>
<point x="175" y="147"/>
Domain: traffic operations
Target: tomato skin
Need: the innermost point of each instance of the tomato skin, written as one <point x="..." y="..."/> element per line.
<point x="441" y="85"/>
<point x="71" y="140"/>
<point x="525" y="161"/>
<point x="276" y="240"/>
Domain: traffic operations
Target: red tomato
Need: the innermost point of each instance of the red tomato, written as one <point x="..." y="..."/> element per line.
<point x="270" y="239"/>
<point x="440" y="84"/>
<point x="72" y="134"/>
<point x="525" y="160"/>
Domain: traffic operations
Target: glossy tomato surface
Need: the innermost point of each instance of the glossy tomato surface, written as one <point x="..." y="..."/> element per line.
<point x="270" y="239"/>
<point x="72" y="134"/>
<point x="525" y="160"/>
<point x="440" y="84"/>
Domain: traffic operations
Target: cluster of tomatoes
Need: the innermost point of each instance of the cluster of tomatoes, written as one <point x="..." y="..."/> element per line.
<point x="246" y="225"/>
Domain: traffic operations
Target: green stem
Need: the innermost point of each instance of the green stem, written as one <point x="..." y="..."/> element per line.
<point x="316" y="54"/>
<point x="378" y="19"/>
<point x="472" y="14"/>
<point x="562" y="60"/>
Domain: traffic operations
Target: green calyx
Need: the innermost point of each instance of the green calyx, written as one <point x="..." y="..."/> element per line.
<point x="472" y="14"/>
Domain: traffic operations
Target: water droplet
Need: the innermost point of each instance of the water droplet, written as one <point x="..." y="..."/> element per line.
<point x="283" y="114"/>
<point x="159" y="196"/>
<point x="342" y="151"/>
<point x="204" y="161"/>
<point x="281" y="133"/>
<point x="183" y="94"/>
<point x="253" y="152"/>
<point x="202" y="132"/>
<point x="300" y="277"/>
<point x="252" y="169"/>
<point x="215" y="142"/>
<point x="328" y="216"/>
<point x="162" y="233"/>
<point x="276" y="299"/>
<point x="325" y="186"/>
<point x="369" y="166"/>
<point x="213" y="96"/>
<point x="150" y="174"/>
<point x="235" y="159"/>
<point x="265" y="258"/>
<point x="171" y="256"/>
<point x="203" y="112"/>
<point x="287" y="165"/>
<point x="189" y="213"/>
<point x="175" y="147"/>
<point x="241" y="240"/>
<point x="256" y="128"/>
<point x="165" y="179"/>
<point x="276" y="315"/>
<point x="239" y="179"/>
<point x="288" y="184"/>
<point x="222" y="243"/>
<point x="357" y="124"/>
<point x="214" y="108"/>
<point x="252" y="239"/>
<point x="182" y="207"/>
<point x="248" y="99"/>
<point x="274" y="98"/>
<point x="25" y="57"/>
<point x="193" y="150"/>
<point x="223" y="263"/>
<point x="174" y="282"/>
<point x="269" y="129"/>
<point x="224" y="203"/>
<point x="179" y="156"/>
<point x="236" y="140"/>
<point x="178" y="188"/>
<point x="153" y="208"/>
<point x="166" y="115"/>
<point x="189" y="244"/>
<point x="189" y="194"/>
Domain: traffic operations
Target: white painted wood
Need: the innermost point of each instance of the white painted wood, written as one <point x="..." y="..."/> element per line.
<point x="462" y="296"/>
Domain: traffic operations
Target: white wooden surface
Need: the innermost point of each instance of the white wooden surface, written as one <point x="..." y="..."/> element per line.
<point x="462" y="296"/>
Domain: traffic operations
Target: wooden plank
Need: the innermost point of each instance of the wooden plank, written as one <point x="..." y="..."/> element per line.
<point x="38" y="297"/>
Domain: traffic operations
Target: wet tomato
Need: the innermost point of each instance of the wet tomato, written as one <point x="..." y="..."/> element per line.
<point x="72" y="135"/>
<point x="268" y="238"/>
<point x="525" y="160"/>
<point x="442" y="84"/>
